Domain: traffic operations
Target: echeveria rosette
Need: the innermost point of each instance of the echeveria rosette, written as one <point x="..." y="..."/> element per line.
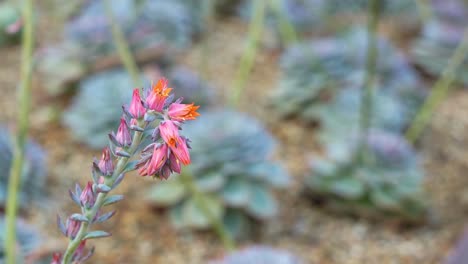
<point x="386" y="184"/>
<point x="339" y="63"/>
<point x="232" y="167"/>
<point x="150" y="123"/>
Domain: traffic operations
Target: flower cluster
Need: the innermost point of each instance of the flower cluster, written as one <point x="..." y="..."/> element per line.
<point x="164" y="150"/>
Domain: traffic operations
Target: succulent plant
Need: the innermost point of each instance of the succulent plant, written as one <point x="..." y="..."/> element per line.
<point x="33" y="176"/>
<point x="145" y="24"/>
<point x="389" y="7"/>
<point x="440" y="37"/>
<point x="386" y="183"/>
<point x="231" y="166"/>
<point x="96" y="108"/>
<point x="28" y="239"/>
<point x="314" y="71"/>
<point x="10" y="24"/>
<point x="258" y="255"/>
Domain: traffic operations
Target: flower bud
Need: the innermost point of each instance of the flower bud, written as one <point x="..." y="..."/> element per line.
<point x="123" y="135"/>
<point x="106" y="166"/>
<point x="73" y="226"/>
<point x="136" y="108"/>
<point x="87" y="197"/>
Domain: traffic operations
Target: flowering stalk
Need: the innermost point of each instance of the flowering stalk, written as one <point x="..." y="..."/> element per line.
<point x="156" y="118"/>
<point x="23" y="124"/>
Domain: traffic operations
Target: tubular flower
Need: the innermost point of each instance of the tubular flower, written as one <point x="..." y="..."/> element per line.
<point x="180" y="151"/>
<point x="136" y="108"/>
<point x="169" y="132"/>
<point x="153" y="165"/>
<point x="174" y="163"/>
<point x="157" y="96"/>
<point x="105" y="164"/>
<point x="183" y="112"/>
<point x="123" y="135"/>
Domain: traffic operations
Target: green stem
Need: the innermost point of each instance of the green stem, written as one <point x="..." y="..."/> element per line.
<point x="91" y="213"/>
<point x="371" y="71"/>
<point x="439" y="91"/>
<point x="122" y="46"/>
<point x="286" y="28"/>
<point x="216" y="223"/>
<point x="424" y="10"/>
<point x="248" y="58"/>
<point x="208" y="13"/>
<point x="23" y="125"/>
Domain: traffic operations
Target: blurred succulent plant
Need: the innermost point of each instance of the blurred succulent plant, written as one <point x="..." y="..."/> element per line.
<point x="309" y="15"/>
<point x="33" y="177"/>
<point x="314" y="71"/>
<point x="60" y="66"/>
<point x="259" y="255"/>
<point x="96" y="108"/>
<point x="191" y="87"/>
<point x="10" y="24"/>
<point x="439" y="38"/>
<point x="28" y="239"/>
<point x="386" y="183"/>
<point x="231" y="166"/>
<point x="145" y="24"/>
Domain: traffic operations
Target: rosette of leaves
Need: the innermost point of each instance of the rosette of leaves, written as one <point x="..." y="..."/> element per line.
<point x="10" y="24"/>
<point x="28" y="239"/>
<point x="231" y="166"/>
<point x="96" y="108"/>
<point x="385" y="182"/>
<point x="314" y="71"/>
<point x="438" y="40"/>
<point x="259" y="255"/>
<point x="33" y="177"/>
<point x="150" y="23"/>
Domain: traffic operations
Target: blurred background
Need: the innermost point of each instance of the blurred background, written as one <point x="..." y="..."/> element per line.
<point x="331" y="131"/>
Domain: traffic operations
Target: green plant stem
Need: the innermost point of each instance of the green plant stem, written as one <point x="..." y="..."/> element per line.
<point x="208" y="13"/>
<point x="286" y="28"/>
<point x="23" y="125"/>
<point x="439" y="90"/>
<point x="122" y="46"/>
<point x="91" y="213"/>
<point x="216" y="223"/>
<point x="424" y="10"/>
<point x="369" y="78"/>
<point x="248" y="58"/>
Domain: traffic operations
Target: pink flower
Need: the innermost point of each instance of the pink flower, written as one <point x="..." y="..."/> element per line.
<point x="174" y="163"/>
<point x="153" y="165"/>
<point x="183" y="112"/>
<point x="158" y="94"/>
<point x="170" y="134"/>
<point x="123" y="134"/>
<point x="105" y="164"/>
<point x="136" y="108"/>
<point x="87" y="196"/>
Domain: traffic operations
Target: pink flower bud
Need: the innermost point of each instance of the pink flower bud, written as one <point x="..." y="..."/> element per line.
<point x="87" y="196"/>
<point x="183" y="112"/>
<point x="169" y="132"/>
<point x="156" y="162"/>
<point x="158" y="94"/>
<point x="136" y="108"/>
<point x="123" y="134"/>
<point x="105" y="164"/>
<point x="174" y="163"/>
<point x="181" y="151"/>
<point x="56" y="258"/>
<point x="73" y="226"/>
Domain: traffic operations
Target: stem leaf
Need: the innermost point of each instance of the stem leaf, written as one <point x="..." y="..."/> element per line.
<point x="79" y="217"/>
<point x="97" y="234"/>
<point x="113" y="199"/>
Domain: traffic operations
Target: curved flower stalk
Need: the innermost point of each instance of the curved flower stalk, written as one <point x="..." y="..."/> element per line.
<point x="150" y="124"/>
